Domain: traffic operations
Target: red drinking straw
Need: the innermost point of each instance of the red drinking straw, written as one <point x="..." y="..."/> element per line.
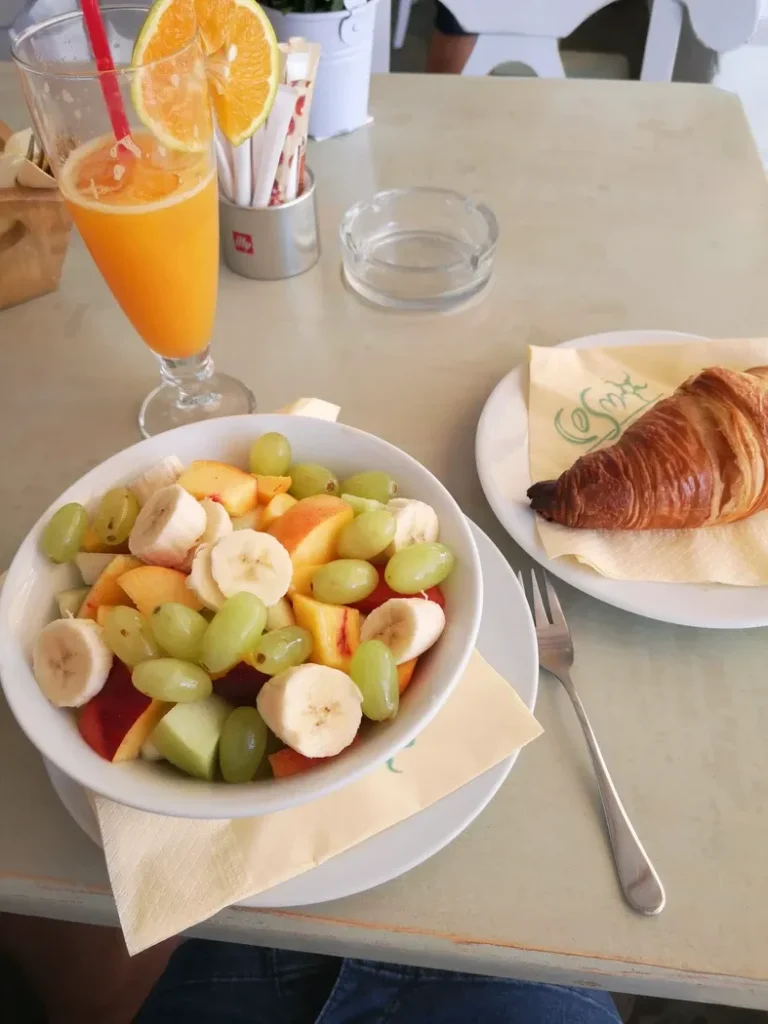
<point x="97" y="34"/>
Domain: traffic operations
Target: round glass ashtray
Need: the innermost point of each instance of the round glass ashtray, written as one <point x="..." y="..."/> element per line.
<point x="418" y="248"/>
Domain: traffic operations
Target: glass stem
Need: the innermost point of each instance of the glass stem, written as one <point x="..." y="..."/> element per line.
<point x="191" y="379"/>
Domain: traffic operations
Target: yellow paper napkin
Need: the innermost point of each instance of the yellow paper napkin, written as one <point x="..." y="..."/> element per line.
<point x="168" y="874"/>
<point x="582" y="399"/>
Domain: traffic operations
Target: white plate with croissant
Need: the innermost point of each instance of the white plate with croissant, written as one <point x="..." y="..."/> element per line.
<point x="601" y="492"/>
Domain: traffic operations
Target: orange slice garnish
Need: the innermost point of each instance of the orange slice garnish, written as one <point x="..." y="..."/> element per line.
<point x="242" y="64"/>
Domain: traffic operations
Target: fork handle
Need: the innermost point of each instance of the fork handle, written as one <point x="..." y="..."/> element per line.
<point x="640" y="884"/>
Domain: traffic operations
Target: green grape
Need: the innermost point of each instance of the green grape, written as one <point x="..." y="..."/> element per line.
<point x="374" y="485"/>
<point x="367" y="535"/>
<point x="116" y="515"/>
<point x="127" y="634"/>
<point x="234" y="631"/>
<point x="282" y="649"/>
<point x="178" y="630"/>
<point x="242" y="745"/>
<point x="419" y="567"/>
<point x="64" y="533"/>
<point x="345" y="581"/>
<point x="360" y="505"/>
<point x="172" y="680"/>
<point x="271" y="455"/>
<point x="374" y="672"/>
<point x="308" y="479"/>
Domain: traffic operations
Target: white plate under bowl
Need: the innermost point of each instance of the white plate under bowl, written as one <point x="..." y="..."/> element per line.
<point x="501" y="452"/>
<point x="27" y="604"/>
<point x="506" y="640"/>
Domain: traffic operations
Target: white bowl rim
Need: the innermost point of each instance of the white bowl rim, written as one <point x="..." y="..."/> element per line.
<point x="228" y="801"/>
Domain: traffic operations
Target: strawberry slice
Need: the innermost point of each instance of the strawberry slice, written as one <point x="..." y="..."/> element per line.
<point x="384" y="592"/>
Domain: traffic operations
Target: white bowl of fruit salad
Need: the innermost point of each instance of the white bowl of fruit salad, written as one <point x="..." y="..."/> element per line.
<point x="239" y="616"/>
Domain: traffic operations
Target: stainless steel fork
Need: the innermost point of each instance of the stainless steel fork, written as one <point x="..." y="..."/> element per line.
<point x="639" y="882"/>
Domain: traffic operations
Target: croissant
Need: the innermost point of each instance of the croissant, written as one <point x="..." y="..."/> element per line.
<point x="697" y="458"/>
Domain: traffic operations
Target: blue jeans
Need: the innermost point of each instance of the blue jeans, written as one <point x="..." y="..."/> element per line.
<point x="222" y="983"/>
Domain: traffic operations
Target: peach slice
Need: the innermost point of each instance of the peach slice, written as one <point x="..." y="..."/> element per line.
<point x="405" y="674"/>
<point x="106" y="589"/>
<point x="253" y="520"/>
<point x="309" y="529"/>
<point x="335" y="630"/>
<point x="149" y="586"/>
<point x="301" y="581"/>
<point x="271" y="486"/>
<point x="93" y="544"/>
<point x="237" y="490"/>
<point x="276" y="508"/>
<point x="117" y="720"/>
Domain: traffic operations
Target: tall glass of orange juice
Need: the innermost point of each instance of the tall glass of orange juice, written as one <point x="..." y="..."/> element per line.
<point x="145" y="204"/>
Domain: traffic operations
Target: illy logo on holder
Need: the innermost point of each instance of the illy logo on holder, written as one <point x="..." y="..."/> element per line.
<point x="243" y="242"/>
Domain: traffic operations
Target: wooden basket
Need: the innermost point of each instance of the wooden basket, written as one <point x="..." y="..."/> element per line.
<point x="34" y="232"/>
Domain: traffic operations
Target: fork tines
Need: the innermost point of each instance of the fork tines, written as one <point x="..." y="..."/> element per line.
<point x="541" y="618"/>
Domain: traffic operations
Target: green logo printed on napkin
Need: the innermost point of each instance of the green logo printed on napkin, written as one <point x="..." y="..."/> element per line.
<point x="391" y="761"/>
<point x="616" y="409"/>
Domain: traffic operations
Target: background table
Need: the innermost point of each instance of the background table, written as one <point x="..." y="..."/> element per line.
<point x="621" y="206"/>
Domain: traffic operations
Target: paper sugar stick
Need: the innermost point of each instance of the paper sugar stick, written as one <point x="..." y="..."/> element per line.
<point x="274" y="139"/>
<point x="257" y="147"/>
<point x="243" y="181"/>
<point x="226" y="181"/>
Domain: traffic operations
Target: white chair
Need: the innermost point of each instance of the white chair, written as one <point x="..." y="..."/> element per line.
<point x="721" y="25"/>
<point x="525" y="31"/>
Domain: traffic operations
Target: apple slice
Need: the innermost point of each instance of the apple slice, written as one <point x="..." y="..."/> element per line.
<point x="92" y="564"/>
<point x="106" y="589"/>
<point x="149" y="586"/>
<point x="71" y="601"/>
<point x="310" y="528"/>
<point x="117" y="721"/>
<point x="236" y="490"/>
<point x="335" y="630"/>
<point x="188" y="736"/>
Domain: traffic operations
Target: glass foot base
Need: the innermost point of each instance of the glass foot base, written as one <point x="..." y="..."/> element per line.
<point x="162" y="409"/>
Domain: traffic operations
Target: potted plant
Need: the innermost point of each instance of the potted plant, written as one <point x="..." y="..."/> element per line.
<point x="344" y="29"/>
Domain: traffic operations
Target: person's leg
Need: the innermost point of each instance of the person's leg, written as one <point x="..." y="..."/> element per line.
<point x="418" y="996"/>
<point x="450" y="47"/>
<point x="78" y="972"/>
<point x="223" y="983"/>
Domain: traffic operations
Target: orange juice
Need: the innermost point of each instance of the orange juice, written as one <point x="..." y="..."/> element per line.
<point x="150" y="219"/>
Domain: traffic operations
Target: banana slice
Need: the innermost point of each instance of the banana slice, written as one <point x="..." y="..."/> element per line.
<point x="280" y="615"/>
<point x="70" y="661"/>
<point x="251" y="561"/>
<point x="217" y="521"/>
<point x="314" y="709"/>
<point x="415" y="521"/>
<point x="217" y="525"/>
<point x="201" y="581"/>
<point x="163" y="474"/>
<point x="167" y="527"/>
<point x="407" y="625"/>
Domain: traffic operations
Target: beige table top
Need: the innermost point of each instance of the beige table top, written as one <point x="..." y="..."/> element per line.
<point x="621" y="206"/>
